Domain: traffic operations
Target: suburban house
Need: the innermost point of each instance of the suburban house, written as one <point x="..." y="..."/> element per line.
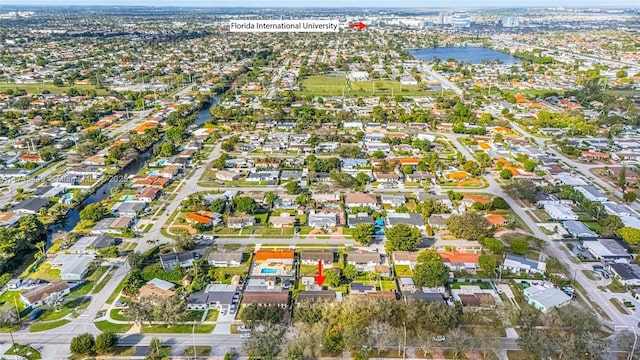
<point x="322" y="219"/>
<point x="364" y="260"/>
<point x="147" y="194"/>
<point x="172" y="260"/>
<point x="520" y="264"/>
<point x="607" y="249"/>
<point x="129" y="208"/>
<point x="30" y="206"/>
<point x="282" y="257"/>
<point x="45" y="294"/>
<point x="215" y="296"/>
<point x="353" y="200"/>
<point x="545" y="298"/>
<point x="263" y="298"/>
<point x="415" y="220"/>
<point x="225" y="259"/>
<point x="355" y="219"/>
<point x="312" y="257"/>
<point x="157" y="288"/>
<point x="239" y="222"/>
<point x="592" y="193"/>
<point x="579" y="230"/>
<point x="460" y="261"/>
<point x="284" y="220"/>
<point x="226" y="175"/>
<point x="496" y="220"/>
<point x="73" y="267"/>
<point x="438" y="221"/>
<point x="405" y="258"/>
<point x="315" y="295"/>
<point x="627" y="274"/>
<point x="560" y="212"/>
<point x="89" y="244"/>
<point x="393" y="200"/>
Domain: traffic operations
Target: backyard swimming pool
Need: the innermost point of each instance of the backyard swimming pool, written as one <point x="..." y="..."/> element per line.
<point x="268" y="271"/>
<point x="127" y="197"/>
<point x="153" y="172"/>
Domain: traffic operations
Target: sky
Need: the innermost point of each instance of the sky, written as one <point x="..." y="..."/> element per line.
<point x="340" y="3"/>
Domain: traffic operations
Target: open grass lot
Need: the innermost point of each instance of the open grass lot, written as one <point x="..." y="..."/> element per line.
<point x="106" y="325"/>
<point x="25" y="351"/>
<point x="39" y="88"/>
<point x="43" y="326"/>
<point x="482" y="285"/>
<point x="44" y="272"/>
<point x="308" y="270"/>
<point x="324" y="85"/>
<point x="65" y="309"/>
<point x="12" y="298"/>
<point x="403" y="271"/>
<point x="199" y="351"/>
<point x="177" y="329"/>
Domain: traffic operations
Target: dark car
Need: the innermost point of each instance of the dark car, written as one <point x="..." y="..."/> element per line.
<point x="35" y="314"/>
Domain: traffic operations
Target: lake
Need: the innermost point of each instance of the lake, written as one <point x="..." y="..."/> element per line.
<point x="473" y="55"/>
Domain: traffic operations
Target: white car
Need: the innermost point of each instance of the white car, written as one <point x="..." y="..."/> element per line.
<point x="245" y="336"/>
<point x="438" y="338"/>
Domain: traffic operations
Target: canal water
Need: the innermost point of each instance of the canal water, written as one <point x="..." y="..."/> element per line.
<point x="73" y="216"/>
<point x="472" y="54"/>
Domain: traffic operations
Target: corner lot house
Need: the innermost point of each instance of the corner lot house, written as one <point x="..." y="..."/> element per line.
<point x="607" y="249"/>
<point x="157" y="288"/>
<point x="545" y="298"/>
<point x="45" y="294"/>
<point x="73" y="267"/>
<point x="627" y="274"/>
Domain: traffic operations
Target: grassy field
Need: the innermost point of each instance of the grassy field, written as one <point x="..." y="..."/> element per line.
<point x="65" y="309"/>
<point x="38" y="88"/>
<point x="324" y="85"/>
<point x="44" y="272"/>
<point x="115" y="293"/>
<point x="203" y="351"/>
<point x="25" y="351"/>
<point x="177" y="329"/>
<point x="106" y="325"/>
<point x="403" y="271"/>
<point x="43" y="326"/>
<point x="8" y="298"/>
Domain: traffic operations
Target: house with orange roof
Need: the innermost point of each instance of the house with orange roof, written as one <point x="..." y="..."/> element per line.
<point x="194" y="218"/>
<point x="31" y="158"/>
<point x="496" y="220"/>
<point x="147" y="125"/>
<point x="410" y="161"/>
<point x="472" y="198"/>
<point x="594" y="155"/>
<point x="277" y="262"/>
<point x="502" y="130"/>
<point x="458" y="175"/>
<point x="460" y="261"/>
<point x="484" y="146"/>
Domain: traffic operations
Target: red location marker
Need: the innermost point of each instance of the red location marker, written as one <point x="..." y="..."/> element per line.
<point x="319" y="278"/>
<point x="359" y="25"/>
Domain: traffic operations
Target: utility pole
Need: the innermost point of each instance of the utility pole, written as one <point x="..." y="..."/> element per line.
<point x="193" y="334"/>
<point x="404" y="341"/>
<point x="635" y="341"/>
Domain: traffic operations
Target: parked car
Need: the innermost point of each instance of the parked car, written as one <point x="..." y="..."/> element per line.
<point x="598" y="267"/>
<point x="438" y="338"/>
<point x="580" y="247"/>
<point x="244" y="328"/>
<point x="245" y="336"/>
<point x="36" y="314"/>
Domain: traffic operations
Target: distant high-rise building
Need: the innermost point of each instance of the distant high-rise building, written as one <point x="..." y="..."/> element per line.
<point x="510" y="21"/>
<point x="461" y="20"/>
<point x="444" y="18"/>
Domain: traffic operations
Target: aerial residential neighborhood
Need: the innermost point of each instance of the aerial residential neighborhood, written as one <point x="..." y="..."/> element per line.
<point x="415" y="183"/>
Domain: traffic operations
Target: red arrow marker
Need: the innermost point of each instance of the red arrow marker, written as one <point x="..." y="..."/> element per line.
<point x="319" y="278"/>
<point x="359" y="25"/>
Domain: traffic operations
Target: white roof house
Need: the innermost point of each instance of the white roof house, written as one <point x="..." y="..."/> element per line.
<point x="560" y="212"/>
<point x="631" y="221"/>
<point x="607" y="249"/>
<point x="545" y="298"/>
<point x="592" y="193"/>
<point x="162" y="284"/>
<point x="72" y="266"/>
<point x="568" y="179"/>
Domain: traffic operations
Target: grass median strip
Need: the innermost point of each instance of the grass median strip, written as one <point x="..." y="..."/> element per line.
<point x="44" y="326"/>
<point x="106" y="325"/>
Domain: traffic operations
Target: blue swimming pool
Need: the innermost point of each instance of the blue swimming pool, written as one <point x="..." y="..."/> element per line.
<point x="153" y="172"/>
<point x="68" y="197"/>
<point x="268" y="271"/>
<point x="127" y="197"/>
<point x="161" y="162"/>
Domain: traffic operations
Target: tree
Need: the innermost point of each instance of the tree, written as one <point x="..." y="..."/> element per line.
<point x="430" y="270"/>
<point x="470" y="225"/>
<point x="293" y="188"/>
<point x="218" y="205"/>
<point x="523" y="190"/>
<point x="630" y="235"/>
<point x="333" y="278"/>
<point x="629" y="196"/>
<point x="472" y="168"/>
<point x="506" y="174"/>
<point x="8" y="315"/>
<point x="622" y="179"/>
<point x="500" y="203"/>
<point x="610" y="225"/>
<point x="460" y="343"/>
<point x="350" y="272"/>
<point x="105" y="342"/>
<point x="82" y="344"/>
<point x="136" y="260"/>
<point x="519" y="246"/>
<point x="253" y="314"/>
<point x="265" y="343"/>
<point x="403" y="237"/>
<point x="245" y="204"/>
<point x="363" y="233"/>
<point x="487" y="264"/>
<point x="495" y="245"/>
<point x="93" y="212"/>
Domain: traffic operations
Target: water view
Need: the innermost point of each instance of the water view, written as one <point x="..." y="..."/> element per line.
<point x="473" y="55"/>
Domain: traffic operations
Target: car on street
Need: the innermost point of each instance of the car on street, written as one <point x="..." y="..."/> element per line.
<point x="245" y="336"/>
<point x="244" y="328"/>
<point x="438" y="338"/>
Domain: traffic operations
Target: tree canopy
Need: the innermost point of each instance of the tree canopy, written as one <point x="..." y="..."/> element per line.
<point x="403" y="237"/>
<point x="430" y="270"/>
<point x="471" y="226"/>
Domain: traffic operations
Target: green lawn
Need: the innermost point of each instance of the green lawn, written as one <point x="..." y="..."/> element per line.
<point x="403" y="271"/>
<point x="38" y="88"/>
<point x="177" y="329"/>
<point x="619" y="306"/>
<point x="25" y="351"/>
<point x="12" y="298"/>
<point x="115" y="293"/>
<point x="212" y="315"/>
<point x="388" y="285"/>
<point x="44" y="272"/>
<point x="203" y="351"/>
<point x="106" y="325"/>
<point x="65" y="309"/>
<point x="99" y="286"/>
<point x="617" y="287"/>
<point x="43" y="326"/>
<point x="482" y="285"/>
<point x="335" y="85"/>
<point x="308" y="270"/>
<point x="116" y="314"/>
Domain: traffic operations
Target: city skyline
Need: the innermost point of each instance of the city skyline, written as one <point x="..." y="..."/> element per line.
<point x="339" y="4"/>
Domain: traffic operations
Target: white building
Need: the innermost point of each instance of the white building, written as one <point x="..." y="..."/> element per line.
<point x="545" y="298"/>
<point x="461" y="20"/>
<point x="510" y="21"/>
<point x="560" y="212"/>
